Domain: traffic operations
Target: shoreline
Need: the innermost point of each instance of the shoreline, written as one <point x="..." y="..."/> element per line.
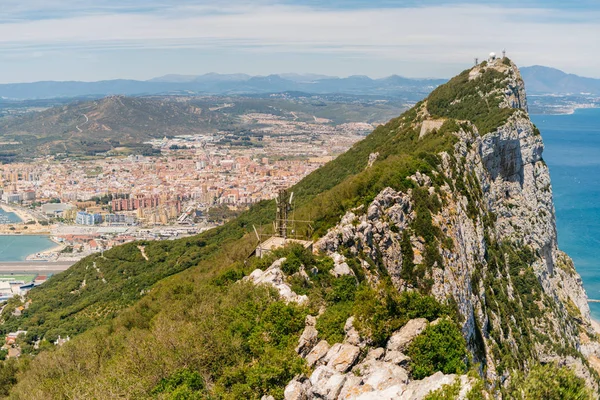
<point x="23" y="216"/>
<point x="568" y="111"/>
<point x="595" y="325"/>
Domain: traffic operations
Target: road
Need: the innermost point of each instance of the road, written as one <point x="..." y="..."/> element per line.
<point x="18" y="267"/>
<point x="86" y="121"/>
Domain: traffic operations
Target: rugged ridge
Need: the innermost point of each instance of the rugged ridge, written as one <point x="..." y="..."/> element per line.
<point x="436" y="269"/>
<point x="509" y="184"/>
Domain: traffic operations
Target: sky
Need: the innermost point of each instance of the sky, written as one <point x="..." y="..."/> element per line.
<point x="135" y="39"/>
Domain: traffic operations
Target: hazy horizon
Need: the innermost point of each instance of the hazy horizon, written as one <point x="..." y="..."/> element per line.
<point x="81" y="40"/>
<point x="282" y="74"/>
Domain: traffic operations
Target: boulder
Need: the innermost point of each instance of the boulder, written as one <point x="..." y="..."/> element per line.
<point x="274" y="277"/>
<point x="352" y="335"/>
<point x="307" y="340"/>
<point x="352" y="388"/>
<point x="402" y="338"/>
<point x="341" y="357"/>
<point x="379" y="375"/>
<point x="326" y="383"/>
<point x="397" y="358"/>
<point x="340" y="267"/>
<point x="295" y="391"/>
<point x="318" y="353"/>
<point x="375" y="354"/>
<point x="418" y="390"/>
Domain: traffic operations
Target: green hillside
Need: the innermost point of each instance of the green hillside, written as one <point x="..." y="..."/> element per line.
<point x="181" y="326"/>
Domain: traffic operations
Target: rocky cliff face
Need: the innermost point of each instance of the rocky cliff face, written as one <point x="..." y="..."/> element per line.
<point x="519" y="297"/>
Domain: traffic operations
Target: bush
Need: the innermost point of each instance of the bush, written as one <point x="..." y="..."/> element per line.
<point x="484" y="112"/>
<point x="331" y="323"/>
<point x="380" y="313"/>
<point x="183" y="384"/>
<point x="549" y="382"/>
<point x="440" y="347"/>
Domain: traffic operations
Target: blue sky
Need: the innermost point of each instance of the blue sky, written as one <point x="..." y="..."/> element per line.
<point x="92" y="40"/>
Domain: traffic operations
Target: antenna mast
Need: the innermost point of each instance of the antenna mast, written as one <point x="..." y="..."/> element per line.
<point x="283" y="208"/>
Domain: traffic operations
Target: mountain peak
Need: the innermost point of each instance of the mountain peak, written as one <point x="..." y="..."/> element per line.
<point x="486" y="95"/>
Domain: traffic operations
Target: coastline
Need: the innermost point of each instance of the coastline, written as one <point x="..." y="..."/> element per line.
<point x="596" y="326"/>
<point x="566" y="110"/>
<point x="23" y="216"/>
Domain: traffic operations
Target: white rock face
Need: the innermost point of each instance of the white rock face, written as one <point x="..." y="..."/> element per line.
<point x="401" y="339"/>
<point x="506" y="178"/>
<point x="273" y="276"/>
<point x="318" y="353"/>
<point x="381" y="374"/>
<point x="341" y="357"/>
<point x="340" y="267"/>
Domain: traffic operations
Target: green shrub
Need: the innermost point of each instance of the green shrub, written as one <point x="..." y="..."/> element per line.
<point x="440" y="347"/>
<point x="331" y="323"/>
<point x="343" y="289"/>
<point x="549" y="382"/>
<point x="183" y="384"/>
<point x="484" y="112"/>
<point x="381" y="312"/>
<point x="446" y="392"/>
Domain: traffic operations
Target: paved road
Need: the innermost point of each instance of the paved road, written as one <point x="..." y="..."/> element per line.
<point x="33" y="266"/>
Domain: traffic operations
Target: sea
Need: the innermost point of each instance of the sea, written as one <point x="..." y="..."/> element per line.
<point x="8" y="217"/>
<point x="572" y="152"/>
<point x="18" y="247"/>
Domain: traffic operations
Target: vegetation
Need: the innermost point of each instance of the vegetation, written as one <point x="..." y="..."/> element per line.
<point x="477" y="100"/>
<point x="184" y="325"/>
<point x="549" y="382"/>
<point x="440" y="347"/>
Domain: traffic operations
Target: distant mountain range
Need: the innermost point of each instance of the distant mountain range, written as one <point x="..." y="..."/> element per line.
<point x="545" y="80"/>
<point x="219" y="84"/>
<point x="539" y="80"/>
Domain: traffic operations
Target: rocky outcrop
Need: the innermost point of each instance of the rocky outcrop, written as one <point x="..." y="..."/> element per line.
<point x="496" y="192"/>
<point x="401" y="339"/>
<point x="372" y="233"/>
<point x="274" y="276"/>
<point x="340" y="373"/>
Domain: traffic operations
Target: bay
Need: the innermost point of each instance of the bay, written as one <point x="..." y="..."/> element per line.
<point x="572" y="152"/>
<point x="9" y="217"/>
<point x="18" y="247"/>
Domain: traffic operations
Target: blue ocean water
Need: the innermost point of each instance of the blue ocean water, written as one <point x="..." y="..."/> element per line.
<point x="573" y="156"/>
<point x="17" y="247"/>
<point x="12" y="217"/>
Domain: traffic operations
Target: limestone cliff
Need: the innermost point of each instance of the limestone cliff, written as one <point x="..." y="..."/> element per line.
<point x="495" y="254"/>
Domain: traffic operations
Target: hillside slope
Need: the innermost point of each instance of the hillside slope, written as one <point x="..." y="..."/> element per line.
<point x="437" y="270"/>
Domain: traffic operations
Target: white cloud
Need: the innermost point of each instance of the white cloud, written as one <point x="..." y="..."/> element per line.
<point x="425" y="38"/>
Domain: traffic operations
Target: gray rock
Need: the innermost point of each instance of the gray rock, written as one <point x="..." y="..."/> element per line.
<point x="352" y="335"/>
<point x="341" y="357"/>
<point x="417" y="390"/>
<point x="375" y="354"/>
<point x="397" y="358"/>
<point x="295" y="391"/>
<point x="318" y="353"/>
<point x="327" y="383"/>
<point x="273" y="276"/>
<point x="402" y="338"/>
<point x="379" y="375"/>
<point x="307" y="340"/>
